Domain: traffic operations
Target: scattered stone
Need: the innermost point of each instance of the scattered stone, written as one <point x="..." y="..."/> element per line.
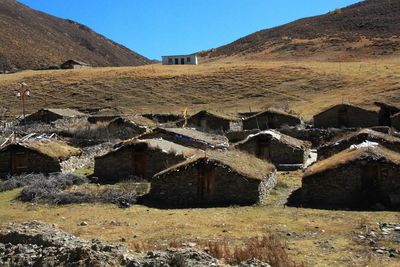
<point x="39" y="244"/>
<point x="83" y="223"/>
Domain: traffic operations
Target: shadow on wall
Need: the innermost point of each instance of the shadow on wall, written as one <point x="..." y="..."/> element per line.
<point x="295" y="200"/>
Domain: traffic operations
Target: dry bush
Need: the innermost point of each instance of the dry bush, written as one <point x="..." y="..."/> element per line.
<point x="267" y="249"/>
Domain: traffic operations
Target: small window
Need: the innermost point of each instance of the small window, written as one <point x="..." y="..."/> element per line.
<point x="170" y="61"/>
<point x="188" y="59"/>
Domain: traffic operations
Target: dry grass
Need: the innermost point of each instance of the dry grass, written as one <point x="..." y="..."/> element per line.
<point x="267" y="248"/>
<point x="147" y="228"/>
<point x="55" y="149"/>
<point x="226" y="86"/>
<point x="350" y="155"/>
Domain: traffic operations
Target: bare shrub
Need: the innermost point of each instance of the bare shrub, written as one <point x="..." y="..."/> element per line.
<point x="52" y="190"/>
<point x="43" y="187"/>
<point x="13" y="182"/>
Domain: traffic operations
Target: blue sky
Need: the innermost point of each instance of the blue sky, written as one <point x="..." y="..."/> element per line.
<point x="159" y="27"/>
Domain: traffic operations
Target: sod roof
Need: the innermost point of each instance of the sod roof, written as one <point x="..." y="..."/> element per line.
<point x="345" y="105"/>
<point x="285" y="139"/>
<point x="53" y="148"/>
<point x="208" y="138"/>
<point x="350" y="155"/>
<point x="242" y="163"/>
<point x="272" y="111"/>
<point x="155" y="144"/>
<point x="222" y="115"/>
<point x="364" y="134"/>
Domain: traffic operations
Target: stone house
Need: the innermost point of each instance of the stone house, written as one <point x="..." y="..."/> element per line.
<point x="49" y="115"/>
<point x="270" y="119"/>
<point x="122" y="128"/>
<point x="386" y="111"/>
<point x="354" y="138"/>
<point x="217" y="178"/>
<point x="105" y="115"/>
<point x="209" y="121"/>
<point x="34" y="157"/>
<point x="139" y="159"/>
<point x="188" y="137"/>
<point x="285" y="152"/>
<point x="74" y="64"/>
<point x="346" y="116"/>
<point x="163" y="117"/>
<point x="360" y="177"/>
<point x="395" y="120"/>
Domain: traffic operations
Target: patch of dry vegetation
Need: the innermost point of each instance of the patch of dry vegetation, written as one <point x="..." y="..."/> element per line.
<point x="223" y="87"/>
<point x="304" y="233"/>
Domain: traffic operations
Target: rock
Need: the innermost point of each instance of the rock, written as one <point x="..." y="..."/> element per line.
<point x="83" y="223"/>
<point x="39" y="244"/>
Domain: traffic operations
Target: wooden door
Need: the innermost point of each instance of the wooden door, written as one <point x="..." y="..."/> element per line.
<point x="139" y="164"/>
<point x="263" y="150"/>
<point x="206" y="182"/>
<point x="203" y="123"/>
<point x="19" y="162"/>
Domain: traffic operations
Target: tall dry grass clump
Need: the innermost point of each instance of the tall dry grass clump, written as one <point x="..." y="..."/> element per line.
<point x="267" y="249"/>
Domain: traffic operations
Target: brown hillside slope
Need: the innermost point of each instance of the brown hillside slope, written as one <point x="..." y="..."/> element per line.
<point x="306" y="87"/>
<point x="30" y="40"/>
<point x="368" y="29"/>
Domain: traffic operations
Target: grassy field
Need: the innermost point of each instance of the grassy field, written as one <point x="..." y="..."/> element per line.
<point x="312" y="237"/>
<point x="304" y="87"/>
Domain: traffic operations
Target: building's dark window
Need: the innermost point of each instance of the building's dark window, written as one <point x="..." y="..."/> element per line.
<point x="170" y="61"/>
<point x="188" y="59"/>
<point x="176" y="61"/>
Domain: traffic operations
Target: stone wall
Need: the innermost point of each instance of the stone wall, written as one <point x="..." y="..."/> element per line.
<point x="396" y="122"/>
<point x="343" y="187"/>
<point x="35" y="163"/>
<point x="212" y="123"/>
<point x="352" y="117"/>
<point x="119" y="165"/>
<point x="270" y="121"/>
<point x="277" y="152"/>
<point x="42" y="116"/>
<point x="180" y="188"/>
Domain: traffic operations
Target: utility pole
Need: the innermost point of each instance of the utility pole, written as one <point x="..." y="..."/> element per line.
<point x="22" y="93"/>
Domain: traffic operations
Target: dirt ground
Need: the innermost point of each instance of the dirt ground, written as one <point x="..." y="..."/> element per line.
<point x="313" y="237"/>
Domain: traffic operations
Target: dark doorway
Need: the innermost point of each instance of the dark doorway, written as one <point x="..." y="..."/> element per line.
<point x="343" y="118"/>
<point x="19" y="162"/>
<point x="139" y="161"/>
<point x="176" y="61"/>
<point x="182" y="61"/>
<point x="369" y="178"/>
<point x="263" y="150"/>
<point x="203" y="123"/>
<point x="206" y="183"/>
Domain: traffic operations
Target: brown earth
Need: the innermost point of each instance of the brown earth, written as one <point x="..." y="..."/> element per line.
<point x="31" y="39"/>
<point x="368" y="29"/>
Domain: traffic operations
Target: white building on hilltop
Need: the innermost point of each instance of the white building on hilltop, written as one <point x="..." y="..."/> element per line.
<point x="180" y="60"/>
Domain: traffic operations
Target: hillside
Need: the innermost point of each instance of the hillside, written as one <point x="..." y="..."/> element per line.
<point x="31" y="40"/>
<point x="368" y="29"/>
<point x="305" y="87"/>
